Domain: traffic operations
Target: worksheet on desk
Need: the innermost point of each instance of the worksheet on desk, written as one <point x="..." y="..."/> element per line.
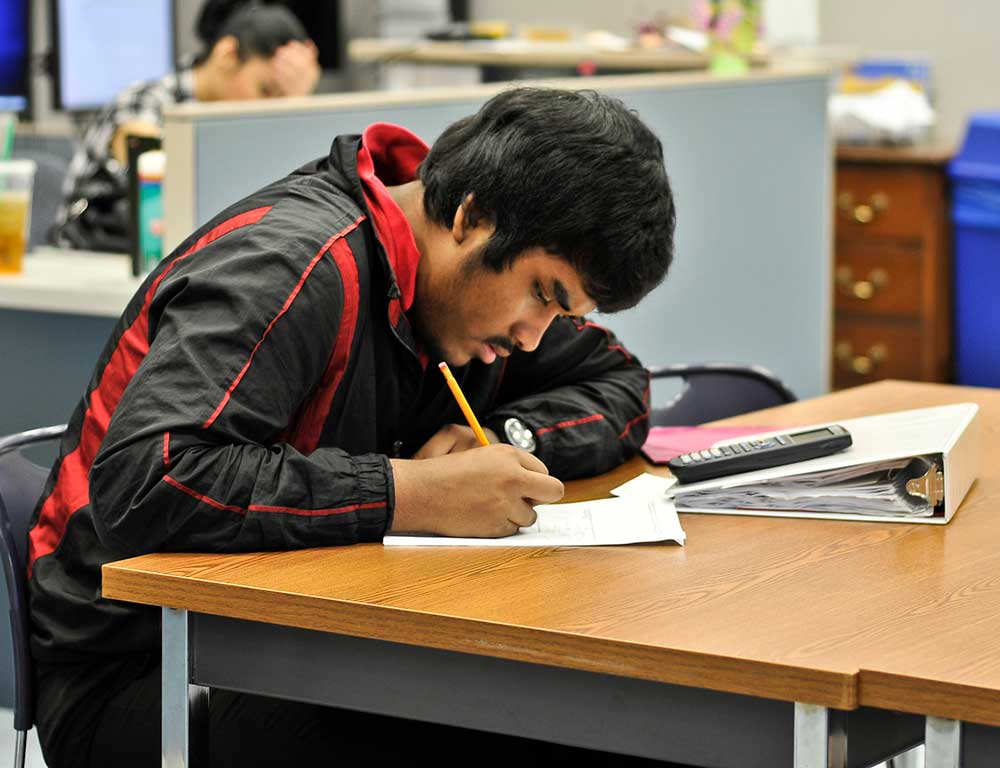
<point x="629" y="520"/>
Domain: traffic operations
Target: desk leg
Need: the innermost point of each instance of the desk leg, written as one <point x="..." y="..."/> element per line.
<point x="184" y="715"/>
<point x="820" y="737"/>
<point x="943" y="743"/>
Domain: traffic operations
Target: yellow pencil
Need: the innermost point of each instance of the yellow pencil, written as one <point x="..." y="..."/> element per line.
<point x="463" y="404"/>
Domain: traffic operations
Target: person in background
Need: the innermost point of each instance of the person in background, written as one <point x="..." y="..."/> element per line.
<point x="250" y="52"/>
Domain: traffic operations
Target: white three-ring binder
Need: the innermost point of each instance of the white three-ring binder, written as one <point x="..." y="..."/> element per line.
<point x="909" y="466"/>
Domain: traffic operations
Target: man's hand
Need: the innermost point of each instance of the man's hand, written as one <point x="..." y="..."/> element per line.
<point x="296" y="68"/>
<point x="452" y="438"/>
<point x="484" y="492"/>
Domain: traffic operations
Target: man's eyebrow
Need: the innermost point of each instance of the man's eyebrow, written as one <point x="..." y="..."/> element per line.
<point x="561" y="294"/>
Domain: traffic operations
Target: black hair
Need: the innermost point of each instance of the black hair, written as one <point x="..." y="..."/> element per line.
<point x="259" y="29"/>
<point x="573" y="172"/>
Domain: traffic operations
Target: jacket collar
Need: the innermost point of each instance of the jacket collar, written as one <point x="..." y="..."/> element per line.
<point x="387" y="156"/>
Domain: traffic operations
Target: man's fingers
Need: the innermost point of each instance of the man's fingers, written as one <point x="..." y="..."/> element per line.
<point x="441" y="443"/>
<point x="544" y="489"/>
<point x="532" y="462"/>
<point x="524" y="516"/>
<point x="296" y="68"/>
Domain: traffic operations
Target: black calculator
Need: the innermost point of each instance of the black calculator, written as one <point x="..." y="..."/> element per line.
<point x="753" y="454"/>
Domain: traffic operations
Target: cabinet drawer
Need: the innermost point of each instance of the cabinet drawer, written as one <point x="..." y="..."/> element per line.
<point x="878" y="278"/>
<point x="865" y="351"/>
<point x="882" y="201"/>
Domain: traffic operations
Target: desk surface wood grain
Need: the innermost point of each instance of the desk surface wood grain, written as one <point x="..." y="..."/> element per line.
<point x="829" y="612"/>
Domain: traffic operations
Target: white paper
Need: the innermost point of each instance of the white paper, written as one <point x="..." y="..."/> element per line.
<point x="581" y="524"/>
<point x="644" y="486"/>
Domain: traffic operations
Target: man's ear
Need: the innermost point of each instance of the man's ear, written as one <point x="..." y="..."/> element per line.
<point x="226" y="53"/>
<point x="467" y="218"/>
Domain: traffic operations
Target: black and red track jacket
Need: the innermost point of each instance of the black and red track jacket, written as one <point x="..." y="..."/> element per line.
<point x="255" y="386"/>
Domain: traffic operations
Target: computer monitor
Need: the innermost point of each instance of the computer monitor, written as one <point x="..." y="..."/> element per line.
<point x="13" y="55"/>
<point x="102" y="46"/>
<point x="322" y="23"/>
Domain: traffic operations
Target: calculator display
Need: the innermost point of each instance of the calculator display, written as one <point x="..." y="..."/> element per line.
<point x="805" y="437"/>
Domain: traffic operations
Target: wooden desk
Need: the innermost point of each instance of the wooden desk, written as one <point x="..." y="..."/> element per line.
<point x="694" y="653"/>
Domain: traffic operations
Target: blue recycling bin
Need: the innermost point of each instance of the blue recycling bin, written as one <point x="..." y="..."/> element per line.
<point x="975" y="174"/>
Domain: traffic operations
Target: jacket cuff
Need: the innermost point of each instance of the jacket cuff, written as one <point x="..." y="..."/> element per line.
<point x="375" y="483"/>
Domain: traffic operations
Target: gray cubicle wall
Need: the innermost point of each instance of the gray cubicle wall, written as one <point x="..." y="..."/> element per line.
<point x="750" y="162"/>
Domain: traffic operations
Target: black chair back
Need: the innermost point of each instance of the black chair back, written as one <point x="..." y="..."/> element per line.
<point x="21" y="485"/>
<point x="714" y="391"/>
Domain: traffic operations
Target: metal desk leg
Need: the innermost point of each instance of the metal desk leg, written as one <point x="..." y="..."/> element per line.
<point x="184" y="716"/>
<point x="943" y="743"/>
<point x="820" y="737"/>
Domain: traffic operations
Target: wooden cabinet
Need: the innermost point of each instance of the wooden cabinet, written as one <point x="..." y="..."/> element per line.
<point x="892" y="266"/>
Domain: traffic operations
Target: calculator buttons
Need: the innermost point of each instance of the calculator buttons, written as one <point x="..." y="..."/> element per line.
<point x="716" y="452"/>
<point x="726" y="450"/>
<point x="746" y="446"/>
<point x="783" y="439"/>
<point x="686" y="459"/>
<point x="706" y="454"/>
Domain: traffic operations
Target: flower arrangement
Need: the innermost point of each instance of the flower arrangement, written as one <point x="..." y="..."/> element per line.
<point x="732" y="27"/>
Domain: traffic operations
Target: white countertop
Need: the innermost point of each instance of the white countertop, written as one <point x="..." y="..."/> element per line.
<point x="70" y="282"/>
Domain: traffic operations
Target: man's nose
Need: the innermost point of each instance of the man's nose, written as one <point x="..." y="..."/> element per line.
<point x="529" y="331"/>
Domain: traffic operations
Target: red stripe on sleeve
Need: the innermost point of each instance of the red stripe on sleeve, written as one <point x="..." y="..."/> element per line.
<point x="267" y="508"/>
<point x="166" y="450"/>
<point x="229" y="225"/>
<point x="202" y="497"/>
<point x="331" y="243"/>
<point x="313" y="512"/>
<point x="571" y="423"/>
<point x="612" y="347"/>
<point x="72" y="487"/>
<point x="628" y="426"/>
<point x="305" y="436"/>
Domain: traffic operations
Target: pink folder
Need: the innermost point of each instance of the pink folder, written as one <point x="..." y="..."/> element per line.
<point x="664" y="443"/>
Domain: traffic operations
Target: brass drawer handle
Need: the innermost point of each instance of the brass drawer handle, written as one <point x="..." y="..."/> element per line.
<point x="861" y="364"/>
<point x="865" y="212"/>
<point x="864" y="290"/>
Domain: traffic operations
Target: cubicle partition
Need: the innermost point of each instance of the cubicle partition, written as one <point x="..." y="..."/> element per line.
<point x="750" y="163"/>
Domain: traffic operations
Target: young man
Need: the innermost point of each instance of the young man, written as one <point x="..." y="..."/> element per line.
<point x="274" y="385"/>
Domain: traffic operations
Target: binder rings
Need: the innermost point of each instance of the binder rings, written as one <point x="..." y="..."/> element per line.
<point x="910" y="466"/>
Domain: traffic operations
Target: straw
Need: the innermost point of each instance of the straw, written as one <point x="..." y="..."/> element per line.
<point x="6" y="135"/>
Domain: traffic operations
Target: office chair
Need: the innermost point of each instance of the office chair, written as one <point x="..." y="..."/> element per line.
<point x="21" y="484"/>
<point x="716" y="391"/>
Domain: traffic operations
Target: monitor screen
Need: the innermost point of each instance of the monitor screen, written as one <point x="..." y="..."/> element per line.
<point x="102" y="46"/>
<point x="322" y="24"/>
<point x="13" y="55"/>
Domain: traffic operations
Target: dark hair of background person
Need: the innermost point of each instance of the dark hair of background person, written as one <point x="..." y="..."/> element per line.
<point x="573" y="172"/>
<point x="259" y="29"/>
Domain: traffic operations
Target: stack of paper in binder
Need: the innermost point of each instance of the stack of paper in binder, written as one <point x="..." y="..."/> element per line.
<point x="911" y="466"/>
